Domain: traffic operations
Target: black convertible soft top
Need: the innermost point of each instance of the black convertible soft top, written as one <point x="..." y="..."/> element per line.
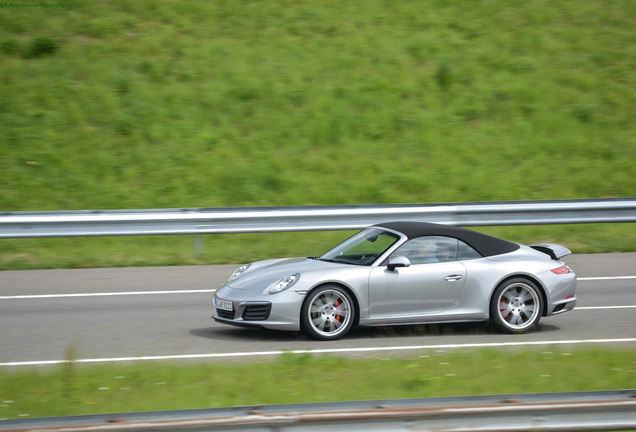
<point x="482" y="243"/>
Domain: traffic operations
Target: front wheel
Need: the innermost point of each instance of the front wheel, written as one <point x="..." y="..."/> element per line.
<point x="327" y="313"/>
<point x="516" y="306"/>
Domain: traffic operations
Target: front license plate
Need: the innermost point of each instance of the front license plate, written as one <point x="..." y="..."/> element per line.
<point x="223" y="304"/>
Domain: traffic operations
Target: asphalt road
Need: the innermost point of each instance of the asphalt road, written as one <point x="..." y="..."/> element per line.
<point x="163" y="313"/>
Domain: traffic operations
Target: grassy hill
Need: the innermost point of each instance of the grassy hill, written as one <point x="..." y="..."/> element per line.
<point x="127" y="104"/>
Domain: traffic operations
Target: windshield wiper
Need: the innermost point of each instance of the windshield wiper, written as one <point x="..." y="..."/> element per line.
<point x="331" y="260"/>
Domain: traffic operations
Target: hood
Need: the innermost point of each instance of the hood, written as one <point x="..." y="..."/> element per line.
<point x="265" y="273"/>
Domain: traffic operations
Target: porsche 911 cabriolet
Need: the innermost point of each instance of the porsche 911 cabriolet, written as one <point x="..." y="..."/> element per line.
<point x="402" y="273"/>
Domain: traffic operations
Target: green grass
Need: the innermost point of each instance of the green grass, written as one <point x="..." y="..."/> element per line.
<point x="121" y="104"/>
<point x="73" y="389"/>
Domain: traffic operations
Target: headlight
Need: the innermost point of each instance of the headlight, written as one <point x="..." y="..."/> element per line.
<point x="239" y="271"/>
<point x="282" y="284"/>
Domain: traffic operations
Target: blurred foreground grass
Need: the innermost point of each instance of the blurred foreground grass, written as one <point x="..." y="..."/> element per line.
<point x="73" y="389"/>
<point x="123" y="105"/>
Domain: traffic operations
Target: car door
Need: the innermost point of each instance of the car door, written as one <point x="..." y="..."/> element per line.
<point x="420" y="289"/>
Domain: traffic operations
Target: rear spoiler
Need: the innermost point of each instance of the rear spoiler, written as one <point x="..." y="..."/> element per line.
<point x="553" y="250"/>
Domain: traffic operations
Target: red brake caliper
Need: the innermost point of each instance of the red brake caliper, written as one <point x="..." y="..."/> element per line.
<point x="337" y="317"/>
<point x="502" y="307"/>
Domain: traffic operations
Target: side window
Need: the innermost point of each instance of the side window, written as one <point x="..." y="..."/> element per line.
<point x="465" y="252"/>
<point x="429" y="249"/>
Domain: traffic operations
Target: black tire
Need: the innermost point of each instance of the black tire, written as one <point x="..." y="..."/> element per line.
<point x="328" y="313"/>
<point x="516" y="306"/>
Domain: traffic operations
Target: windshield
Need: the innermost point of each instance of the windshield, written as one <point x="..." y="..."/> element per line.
<point x="363" y="248"/>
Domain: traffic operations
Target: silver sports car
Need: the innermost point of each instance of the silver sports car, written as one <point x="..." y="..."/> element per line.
<point x="402" y="273"/>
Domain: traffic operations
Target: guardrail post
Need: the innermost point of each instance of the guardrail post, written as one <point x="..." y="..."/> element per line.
<point x="198" y="245"/>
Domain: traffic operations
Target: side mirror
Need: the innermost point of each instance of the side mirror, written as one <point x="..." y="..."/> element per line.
<point x="398" y="261"/>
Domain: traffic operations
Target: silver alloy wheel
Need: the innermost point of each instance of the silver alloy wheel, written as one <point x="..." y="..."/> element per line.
<point x="518" y="306"/>
<point x="328" y="313"/>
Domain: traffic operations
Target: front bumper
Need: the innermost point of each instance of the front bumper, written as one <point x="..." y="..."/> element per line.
<point x="246" y="311"/>
<point x="279" y="312"/>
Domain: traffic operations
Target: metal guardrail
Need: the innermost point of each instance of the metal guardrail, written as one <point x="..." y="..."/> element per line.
<point x="583" y="411"/>
<point x="310" y="218"/>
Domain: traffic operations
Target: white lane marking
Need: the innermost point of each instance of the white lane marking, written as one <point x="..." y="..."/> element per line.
<point x="322" y="351"/>
<point x="606" y="278"/>
<point x="604" y="307"/>
<point x="41" y="296"/>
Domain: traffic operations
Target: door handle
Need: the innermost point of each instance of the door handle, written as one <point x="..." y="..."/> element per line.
<point x="453" y="278"/>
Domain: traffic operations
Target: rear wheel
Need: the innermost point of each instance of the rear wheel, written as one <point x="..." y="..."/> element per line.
<point x="327" y="313"/>
<point x="516" y="306"/>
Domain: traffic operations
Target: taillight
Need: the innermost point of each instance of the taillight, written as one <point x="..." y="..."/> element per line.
<point x="562" y="270"/>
